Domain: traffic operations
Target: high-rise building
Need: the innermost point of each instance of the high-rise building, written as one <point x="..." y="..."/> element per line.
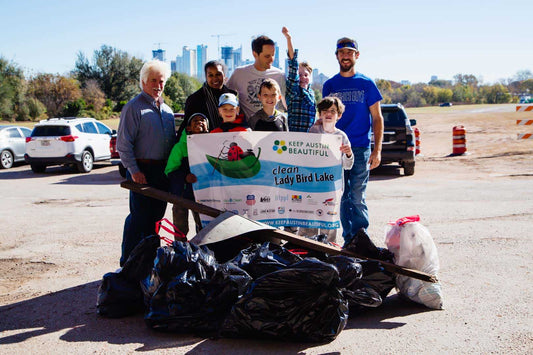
<point x="189" y="61"/>
<point x="201" y="59"/>
<point x="237" y="57"/>
<point x="159" y="54"/>
<point x="319" y="78"/>
<point x="179" y="64"/>
<point x="276" y="56"/>
<point x="192" y="61"/>
<point x="226" y="54"/>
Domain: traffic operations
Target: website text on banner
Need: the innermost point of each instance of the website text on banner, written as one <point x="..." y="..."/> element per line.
<point x="277" y="178"/>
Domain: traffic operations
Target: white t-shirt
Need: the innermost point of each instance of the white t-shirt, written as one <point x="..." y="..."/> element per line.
<point x="347" y="163"/>
<point x="246" y="81"/>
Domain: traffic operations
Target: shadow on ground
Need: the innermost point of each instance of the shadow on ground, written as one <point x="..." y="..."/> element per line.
<point x="386" y="172"/>
<point x="72" y="312"/>
<point x="392" y="307"/>
<point x="72" y="176"/>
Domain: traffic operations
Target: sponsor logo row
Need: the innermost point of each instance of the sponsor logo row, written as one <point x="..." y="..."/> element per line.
<point x="252" y="199"/>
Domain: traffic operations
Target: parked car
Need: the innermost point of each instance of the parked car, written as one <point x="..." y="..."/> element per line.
<point x="398" y="138"/>
<point x="115" y="155"/>
<point x="12" y="145"/>
<point x="446" y="104"/>
<point x="68" y="140"/>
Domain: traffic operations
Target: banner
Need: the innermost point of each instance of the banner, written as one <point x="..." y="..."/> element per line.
<point x="277" y="178"/>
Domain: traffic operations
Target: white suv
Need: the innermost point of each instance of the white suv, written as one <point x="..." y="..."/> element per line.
<point x="69" y="140"/>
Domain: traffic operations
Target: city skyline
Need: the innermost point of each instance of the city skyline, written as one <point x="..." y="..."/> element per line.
<point x="410" y="41"/>
<point x="229" y="56"/>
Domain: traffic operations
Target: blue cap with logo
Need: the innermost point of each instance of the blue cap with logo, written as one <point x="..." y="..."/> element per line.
<point x="228" y="98"/>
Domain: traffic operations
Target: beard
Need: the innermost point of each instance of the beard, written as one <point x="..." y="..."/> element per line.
<point x="346" y="67"/>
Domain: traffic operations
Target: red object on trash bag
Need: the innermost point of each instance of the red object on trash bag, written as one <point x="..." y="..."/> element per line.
<point x="174" y="231"/>
<point x="404" y="220"/>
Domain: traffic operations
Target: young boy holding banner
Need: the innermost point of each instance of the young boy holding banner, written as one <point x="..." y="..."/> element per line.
<point x="330" y="110"/>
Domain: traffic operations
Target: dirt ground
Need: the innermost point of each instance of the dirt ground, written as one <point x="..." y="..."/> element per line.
<point x="61" y="231"/>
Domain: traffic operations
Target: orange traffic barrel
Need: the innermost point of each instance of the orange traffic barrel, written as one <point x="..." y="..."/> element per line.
<point x="417" y="141"/>
<point x="459" y="140"/>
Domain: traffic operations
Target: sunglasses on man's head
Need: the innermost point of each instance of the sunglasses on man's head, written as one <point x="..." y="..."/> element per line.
<point x="346" y="44"/>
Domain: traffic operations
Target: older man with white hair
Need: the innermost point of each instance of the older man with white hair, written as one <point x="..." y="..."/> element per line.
<point x="146" y="135"/>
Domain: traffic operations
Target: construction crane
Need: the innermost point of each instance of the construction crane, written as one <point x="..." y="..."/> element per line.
<point x="159" y="44"/>
<point x="218" y="40"/>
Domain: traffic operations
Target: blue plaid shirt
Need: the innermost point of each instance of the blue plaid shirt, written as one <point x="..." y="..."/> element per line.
<point x="301" y="108"/>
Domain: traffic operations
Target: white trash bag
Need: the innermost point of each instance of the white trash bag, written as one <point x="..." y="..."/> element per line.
<point x="413" y="248"/>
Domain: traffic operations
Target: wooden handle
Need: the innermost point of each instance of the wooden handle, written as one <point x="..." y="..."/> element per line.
<point x="296" y="239"/>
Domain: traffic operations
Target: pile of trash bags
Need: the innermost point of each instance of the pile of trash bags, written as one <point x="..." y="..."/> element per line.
<point x="265" y="291"/>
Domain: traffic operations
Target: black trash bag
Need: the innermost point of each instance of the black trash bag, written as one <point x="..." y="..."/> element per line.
<point x="118" y="296"/>
<point x="362" y="245"/>
<point x="141" y="260"/>
<point x="300" y="303"/>
<point x="262" y="259"/>
<point x="360" y="296"/>
<point x="352" y="288"/>
<point x="228" y="249"/>
<point x="173" y="260"/>
<point x="119" y="293"/>
<point x="376" y="278"/>
<point x="374" y="275"/>
<point x="199" y="297"/>
<point x="349" y="269"/>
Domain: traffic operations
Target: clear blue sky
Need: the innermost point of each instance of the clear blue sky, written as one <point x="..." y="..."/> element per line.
<point x="398" y="40"/>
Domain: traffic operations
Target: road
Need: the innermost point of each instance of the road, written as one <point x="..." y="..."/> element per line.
<point x="61" y="231"/>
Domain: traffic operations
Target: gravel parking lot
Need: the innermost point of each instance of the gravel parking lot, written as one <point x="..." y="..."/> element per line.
<point x="61" y="231"/>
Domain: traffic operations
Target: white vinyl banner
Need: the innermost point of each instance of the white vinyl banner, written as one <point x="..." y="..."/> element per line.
<point x="278" y="178"/>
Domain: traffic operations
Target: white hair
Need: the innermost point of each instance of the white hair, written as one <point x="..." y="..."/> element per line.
<point x="154" y="65"/>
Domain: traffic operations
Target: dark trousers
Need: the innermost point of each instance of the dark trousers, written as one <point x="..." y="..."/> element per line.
<point x="144" y="211"/>
<point x="180" y="188"/>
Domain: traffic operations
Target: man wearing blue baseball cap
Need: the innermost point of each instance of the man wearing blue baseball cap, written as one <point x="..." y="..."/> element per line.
<point x="361" y="117"/>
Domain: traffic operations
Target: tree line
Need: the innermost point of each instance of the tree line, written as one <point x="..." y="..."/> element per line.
<point x="463" y="89"/>
<point x="97" y="88"/>
<point x="101" y="86"/>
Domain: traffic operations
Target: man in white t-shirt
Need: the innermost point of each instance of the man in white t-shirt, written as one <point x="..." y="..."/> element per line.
<point x="247" y="79"/>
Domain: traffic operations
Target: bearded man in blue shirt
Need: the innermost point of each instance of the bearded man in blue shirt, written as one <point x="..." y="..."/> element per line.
<point x="362" y="116"/>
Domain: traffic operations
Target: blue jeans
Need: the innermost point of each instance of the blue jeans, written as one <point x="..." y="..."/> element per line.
<point x="144" y="211"/>
<point x="354" y="212"/>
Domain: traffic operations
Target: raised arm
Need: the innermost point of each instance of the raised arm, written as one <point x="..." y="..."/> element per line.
<point x="290" y="48"/>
